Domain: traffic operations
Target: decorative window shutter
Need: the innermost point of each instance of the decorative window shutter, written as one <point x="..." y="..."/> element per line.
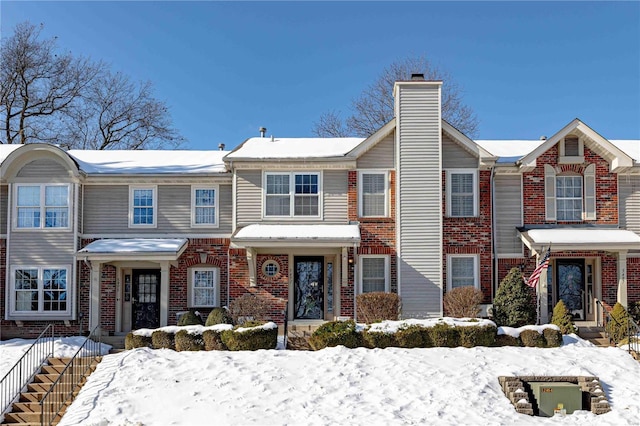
<point x="550" y="192"/>
<point x="590" y="192"/>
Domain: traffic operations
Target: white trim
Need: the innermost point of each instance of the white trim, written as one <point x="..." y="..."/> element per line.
<point x="40" y="314"/>
<point x="387" y="270"/>
<point x="191" y="287"/>
<point x="476" y="268"/>
<point x="154" y="189"/>
<point x="158" y="235"/>
<point x="387" y="191"/>
<point x="292" y="194"/>
<point x="42" y="206"/>
<point x="476" y="190"/>
<point x="565" y="159"/>
<point x="216" y="206"/>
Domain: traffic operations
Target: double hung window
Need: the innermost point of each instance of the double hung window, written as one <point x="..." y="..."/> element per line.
<point x="204" y="206"/>
<point x="40" y="290"/>
<point x="205" y="287"/>
<point x="374" y="273"/>
<point x="373" y="194"/>
<point x="292" y="194"/>
<point x="462" y="271"/>
<point x="462" y="193"/>
<point x="142" y="206"/>
<point x="42" y="206"/>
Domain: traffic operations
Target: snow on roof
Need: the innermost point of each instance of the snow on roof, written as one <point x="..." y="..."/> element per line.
<point x="135" y="245"/>
<point x="149" y="161"/>
<point x="260" y="148"/>
<point x="630" y="147"/>
<point x="583" y="236"/>
<point x="299" y="232"/>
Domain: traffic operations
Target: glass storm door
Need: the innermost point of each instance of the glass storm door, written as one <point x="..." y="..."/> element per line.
<point x="146" y="298"/>
<point x="309" y="288"/>
<point x="570" y="281"/>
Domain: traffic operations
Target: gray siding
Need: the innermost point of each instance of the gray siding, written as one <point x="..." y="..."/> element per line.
<point x="419" y="217"/>
<point x="381" y="156"/>
<point x="106" y="210"/>
<point x="4" y="199"/>
<point x="41" y="248"/>
<point x="335" y="196"/>
<point x="508" y="211"/>
<point x="454" y="156"/>
<point x="43" y="168"/>
<point x="629" y="210"/>
<point x="248" y="196"/>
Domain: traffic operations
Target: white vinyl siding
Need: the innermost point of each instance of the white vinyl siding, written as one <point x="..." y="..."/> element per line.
<point x="373" y="194"/>
<point x="42" y="206"/>
<point x="374" y="273"/>
<point x="40" y="291"/>
<point x="462" y="193"/>
<point x="462" y="271"/>
<point x="142" y="206"/>
<point x="204" y="206"/>
<point x="508" y="214"/>
<point x="204" y="287"/>
<point x="629" y="190"/>
<point x="292" y="194"/>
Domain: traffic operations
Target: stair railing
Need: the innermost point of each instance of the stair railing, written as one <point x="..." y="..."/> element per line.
<point x="632" y="329"/>
<point x="63" y="389"/>
<point x="22" y="373"/>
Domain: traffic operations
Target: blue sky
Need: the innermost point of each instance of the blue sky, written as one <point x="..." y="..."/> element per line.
<point x="225" y="69"/>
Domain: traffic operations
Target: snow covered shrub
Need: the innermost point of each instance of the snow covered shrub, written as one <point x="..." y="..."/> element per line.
<point x="251" y="336"/>
<point x="552" y="337"/>
<point x="532" y="339"/>
<point x="249" y="307"/>
<point x="188" y="342"/>
<point x="463" y="302"/>
<point x="513" y="305"/>
<point x="414" y="336"/>
<point x="336" y="333"/>
<point x="213" y="341"/>
<point x="163" y="340"/>
<point x="617" y="326"/>
<point x="132" y="341"/>
<point x="377" y="339"/>
<point x="190" y="318"/>
<point x="470" y="336"/>
<point x="506" y="340"/>
<point x="377" y="306"/>
<point x="218" y="316"/>
<point x="444" y="336"/>
<point x="562" y="318"/>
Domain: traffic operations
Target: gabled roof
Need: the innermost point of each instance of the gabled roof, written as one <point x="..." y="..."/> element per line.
<point x="468" y="144"/>
<point x="293" y="148"/>
<point x="372" y="140"/>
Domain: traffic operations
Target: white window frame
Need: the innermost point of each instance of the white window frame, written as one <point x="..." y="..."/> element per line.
<point x="192" y="288"/>
<point x="582" y="198"/>
<point x="387" y="271"/>
<point x="154" y="189"/>
<point x="292" y="195"/>
<point x="40" y="313"/>
<point x="42" y="206"/>
<point x="474" y="173"/>
<point x="216" y="206"/>
<point x="566" y="159"/>
<point x="476" y="269"/>
<point x="361" y="173"/>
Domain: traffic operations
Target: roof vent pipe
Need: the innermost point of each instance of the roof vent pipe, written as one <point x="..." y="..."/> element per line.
<point x="543" y="138"/>
<point x="417" y="76"/>
<point x="263" y="131"/>
<point x="221" y="147"/>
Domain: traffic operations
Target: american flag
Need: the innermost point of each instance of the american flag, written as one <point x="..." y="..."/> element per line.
<point x="535" y="276"/>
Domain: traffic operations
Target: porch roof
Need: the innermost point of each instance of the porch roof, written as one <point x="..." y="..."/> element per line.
<point x="134" y="249"/>
<point x="265" y="235"/>
<point x="580" y="238"/>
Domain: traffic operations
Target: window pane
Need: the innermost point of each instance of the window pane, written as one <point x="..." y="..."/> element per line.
<point x="462" y="271"/>
<point x="55" y="289"/>
<point x="373" y="194"/>
<point x="278" y="205"/>
<point x="206" y="215"/>
<point x="142" y="197"/>
<point x="373" y="274"/>
<point x="204" y="287"/>
<point x="306" y="184"/>
<point x="461" y="194"/>
<point x="56" y="217"/>
<point x="143" y="216"/>
<point x="28" y="217"/>
<point x="28" y="196"/>
<point x="26" y="288"/>
<point x="278" y="184"/>
<point x="461" y="183"/>
<point x="306" y="205"/>
<point x="205" y="197"/>
<point x="56" y="196"/>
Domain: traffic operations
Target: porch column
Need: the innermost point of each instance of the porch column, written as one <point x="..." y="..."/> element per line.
<point x="94" y="291"/>
<point x="164" y="293"/>
<point x="543" y="294"/>
<point x="622" y="278"/>
<point x="251" y="262"/>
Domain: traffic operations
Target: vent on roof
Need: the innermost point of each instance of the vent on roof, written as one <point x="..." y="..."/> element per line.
<point x="417" y="76"/>
<point x="221" y="146"/>
<point x="263" y="131"/>
<point x="543" y="138"/>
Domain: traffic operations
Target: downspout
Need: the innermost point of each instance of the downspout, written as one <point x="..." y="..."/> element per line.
<point x="76" y="198"/>
<point x="494" y="249"/>
<point x="228" y="274"/>
<point x="7" y="278"/>
<point x="355" y="281"/>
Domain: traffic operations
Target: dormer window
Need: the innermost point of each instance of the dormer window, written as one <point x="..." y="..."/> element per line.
<point x="571" y="150"/>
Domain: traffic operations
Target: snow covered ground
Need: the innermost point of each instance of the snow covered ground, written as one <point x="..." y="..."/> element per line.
<point x="342" y="386"/>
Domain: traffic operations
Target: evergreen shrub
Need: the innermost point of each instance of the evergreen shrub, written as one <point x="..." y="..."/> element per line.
<point x="377" y="339"/>
<point x="444" y="336"/>
<point x="377" y="306"/>
<point x="163" y="340"/>
<point x="189" y="318"/>
<point x="470" y="336"/>
<point x="553" y="338"/>
<point x="617" y="326"/>
<point x="132" y="341"/>
<point x="250" y="340"/>
<point x="513" y="305"/>
<point x="463" y="302"/>
<point x="218" y="316"/>
<point x="188" y="342"/>
<point x="532" y="339"/>
<point x="506" y="340"/>
<point x="336" y="333"/>
<point x="562" y="318"/>
<point x="213" y="341"/>
<point x="414" y="336"/>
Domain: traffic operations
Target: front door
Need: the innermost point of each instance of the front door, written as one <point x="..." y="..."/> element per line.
<point x="309" y="287"/>
<point x="571" y="280"/>
<point x="146" y="298"/>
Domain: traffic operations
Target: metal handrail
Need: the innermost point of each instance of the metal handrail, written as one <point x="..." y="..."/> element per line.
<point x="23" y="371"/>
<point x="632" y="329"/>
<point x="62" y="391"/>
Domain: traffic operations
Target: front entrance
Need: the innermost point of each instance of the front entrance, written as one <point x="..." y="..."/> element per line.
<point x="570" y="279"/>
<point x="308" y="287"/>
<point x="145" y="298"/>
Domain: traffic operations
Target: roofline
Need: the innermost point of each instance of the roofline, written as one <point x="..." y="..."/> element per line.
<point x="372" y="140"/>
<point x="469" y="143"/>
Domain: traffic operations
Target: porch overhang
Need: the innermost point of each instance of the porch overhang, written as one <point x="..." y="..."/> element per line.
<point x="152" y="249"/>
<point x="579" y="238"/>
<point x="266" y="235"/>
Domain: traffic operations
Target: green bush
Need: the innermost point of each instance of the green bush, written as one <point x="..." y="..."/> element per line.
<point x="163" y="340"/>
<point x="463" y="302"/>
<point x="189" y="318"/>
<point x="132" y="341"/>
<point x="377" y="339"/>
<point x="562" y="318"/>
<point x="414" y="336"/>
<point x="377" y="306"/>
<point x="213" y="341"/>
<point x="532" y="339"/>
<point x="444" y="336"/>
<point x="336" y="333"/>
<point x="188" y="342"/>
<point x="506" y="340"/>
<point x="470" y="336"/>
<point x="552" y="337"/>
<point x="250" y="340"/>
<point x="513" y="305"/>
<point x="617" y="327"/>
<point x="218" y="316"/>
